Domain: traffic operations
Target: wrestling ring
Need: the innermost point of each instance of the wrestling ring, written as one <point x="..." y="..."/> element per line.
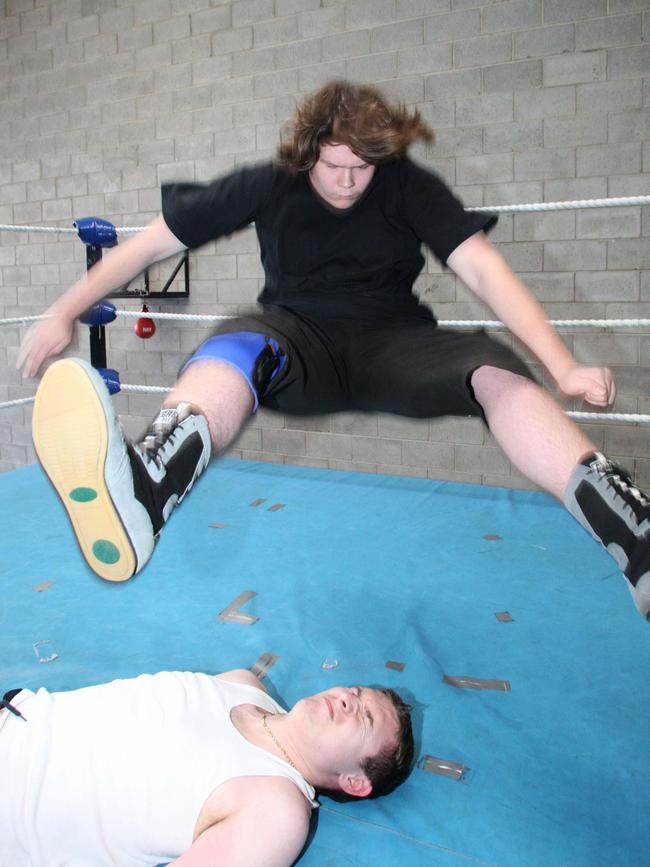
<point x="489" y="609"/>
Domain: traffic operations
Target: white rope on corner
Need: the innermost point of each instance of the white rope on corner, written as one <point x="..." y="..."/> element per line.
<point x="135" y="314"/>
<point x="189" y="317"/>
<point x="64" y="230"/>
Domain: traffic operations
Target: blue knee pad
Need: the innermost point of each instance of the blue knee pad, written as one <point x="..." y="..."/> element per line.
<point x="257" y="357"/>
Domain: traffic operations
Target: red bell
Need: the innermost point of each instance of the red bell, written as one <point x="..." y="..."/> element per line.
<point x="145" y="327"/>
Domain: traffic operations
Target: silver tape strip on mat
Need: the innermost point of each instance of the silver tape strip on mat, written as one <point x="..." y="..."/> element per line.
<point x="442" y="767"/>
<point x="44" y="657"/>
<point x="476" y="683"/>
<point x="263" y="664"/>
<point x="232" y="614"/>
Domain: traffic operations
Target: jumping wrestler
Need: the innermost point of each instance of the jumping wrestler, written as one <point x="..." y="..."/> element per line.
<point x="341" y="215"/>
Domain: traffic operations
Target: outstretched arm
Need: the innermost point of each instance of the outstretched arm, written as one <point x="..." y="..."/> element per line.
<point x="480" y="265"/>
<point x="120" y="265"/>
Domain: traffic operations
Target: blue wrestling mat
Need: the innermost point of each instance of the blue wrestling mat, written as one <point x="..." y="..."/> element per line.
<point x="352" y="571"/>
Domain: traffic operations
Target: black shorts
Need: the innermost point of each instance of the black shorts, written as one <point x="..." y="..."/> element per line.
<point x="404" y="364"/>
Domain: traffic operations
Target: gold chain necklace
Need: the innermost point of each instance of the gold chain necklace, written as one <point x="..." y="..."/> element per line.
<point x="277" y="742"/>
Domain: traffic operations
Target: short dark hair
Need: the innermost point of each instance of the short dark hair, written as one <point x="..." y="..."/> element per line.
<point x="389" y="768"/>
<point x="356" y="115"/>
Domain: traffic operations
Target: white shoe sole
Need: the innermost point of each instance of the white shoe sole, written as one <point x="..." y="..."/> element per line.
<point x="80" y="446"/>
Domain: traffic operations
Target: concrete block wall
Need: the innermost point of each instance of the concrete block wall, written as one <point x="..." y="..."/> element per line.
<point x="531" y="100"/>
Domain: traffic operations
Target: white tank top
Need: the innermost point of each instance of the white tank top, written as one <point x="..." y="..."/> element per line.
<point x="117" y="774"/>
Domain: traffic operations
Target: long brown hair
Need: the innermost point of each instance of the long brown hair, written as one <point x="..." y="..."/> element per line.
<point x="356" y="115"/>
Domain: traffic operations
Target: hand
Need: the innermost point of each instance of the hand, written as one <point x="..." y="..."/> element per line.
<point x="595" y="384"/>
<point x="45" y="338"/>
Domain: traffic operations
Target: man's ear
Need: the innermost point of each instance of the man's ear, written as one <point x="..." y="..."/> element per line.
<point x="358" y="785"/>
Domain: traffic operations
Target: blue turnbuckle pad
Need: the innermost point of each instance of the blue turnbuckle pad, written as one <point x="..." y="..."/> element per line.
<point x="99" y="314"/>
<point x="111" y="378"/>
<point x="96" y="232"/>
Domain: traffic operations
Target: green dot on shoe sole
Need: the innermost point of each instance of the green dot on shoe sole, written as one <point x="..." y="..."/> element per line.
<point x="106" y="551"/>
<point x="83" y="495"/>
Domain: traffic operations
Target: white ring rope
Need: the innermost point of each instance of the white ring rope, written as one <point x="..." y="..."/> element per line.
<point x="641" y="418"/>
<point x="577" y="204"/>
<point x="558" y="323"/>
<point x="190" y="317"/>
<point x="19" y="320"/>
<point x="19" y="402"/>
<point x="64" y="230"/>
<point x="638" y="418"/>
<point x="146" y="389"/>
<point x="443" y="323"/>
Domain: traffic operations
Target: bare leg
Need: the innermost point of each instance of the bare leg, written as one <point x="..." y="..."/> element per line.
<point x="554" y="453"/>
<point x="530" y="427"/>
<point x="218" y="392"/>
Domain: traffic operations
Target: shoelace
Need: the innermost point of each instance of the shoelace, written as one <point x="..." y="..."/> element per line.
<point x="155" y="441"/>
<point x="152" y="445"/>
<point x="162" y="432"/>
<point x="634" y="498"/>
<point x="633" y="491"/>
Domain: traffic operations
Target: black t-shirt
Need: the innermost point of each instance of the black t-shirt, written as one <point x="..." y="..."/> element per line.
<point x="317" y="257"/>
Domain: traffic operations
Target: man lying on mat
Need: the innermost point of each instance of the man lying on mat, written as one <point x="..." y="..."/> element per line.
<point x="341" y="216"/>
<point x="198" y="768"/>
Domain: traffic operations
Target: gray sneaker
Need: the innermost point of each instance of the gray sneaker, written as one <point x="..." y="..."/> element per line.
<point x="605" y="500"/>
<point x="117" y="495"/>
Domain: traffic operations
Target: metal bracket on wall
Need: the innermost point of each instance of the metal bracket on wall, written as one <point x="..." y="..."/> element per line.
<point x="165" y="292"/>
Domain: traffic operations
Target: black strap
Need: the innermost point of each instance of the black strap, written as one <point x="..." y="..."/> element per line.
<point x="12" y="693"/>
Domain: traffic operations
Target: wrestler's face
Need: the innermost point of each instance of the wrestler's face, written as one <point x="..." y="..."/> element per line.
<point x="346" y="725"/>
<point x="340" y="176"/>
